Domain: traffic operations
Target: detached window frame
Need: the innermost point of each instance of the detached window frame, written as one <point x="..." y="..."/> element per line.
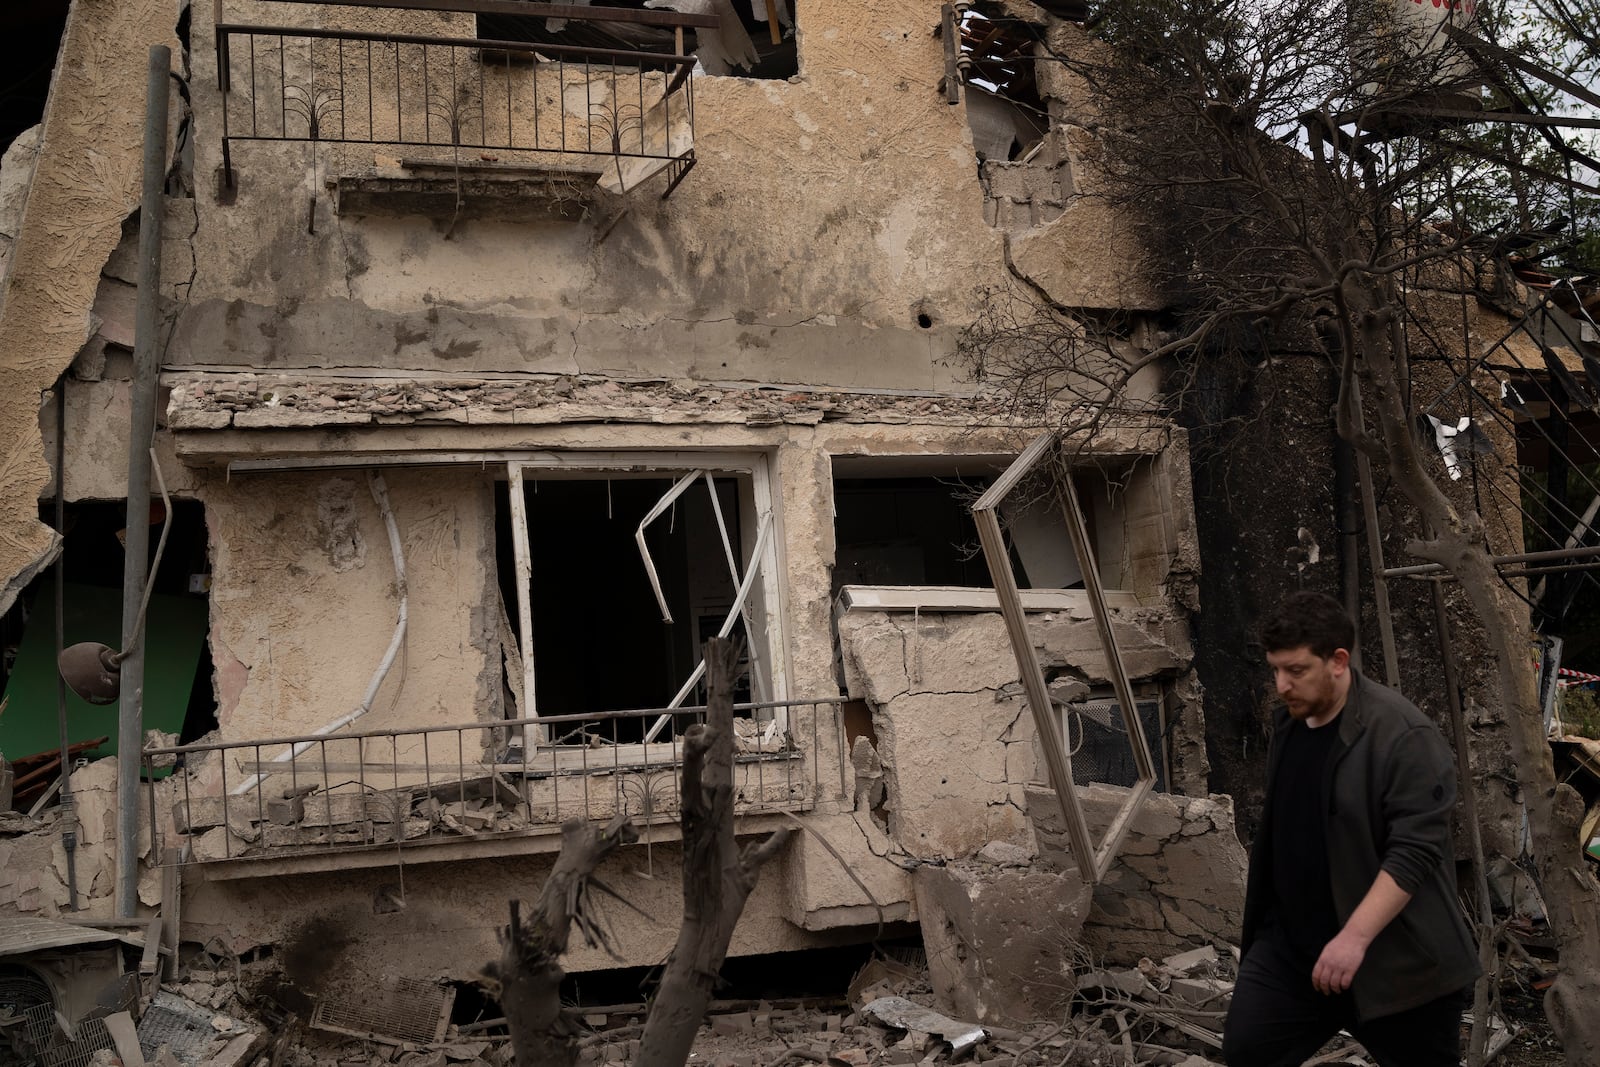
<point x="759" y="580"/>
<point x="1094" y="861"/>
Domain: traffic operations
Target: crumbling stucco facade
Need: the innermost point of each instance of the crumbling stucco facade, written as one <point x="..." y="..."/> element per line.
<point x="343" y="356"/>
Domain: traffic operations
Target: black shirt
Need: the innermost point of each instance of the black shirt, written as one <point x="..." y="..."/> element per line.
<point x="1302" y="888"/>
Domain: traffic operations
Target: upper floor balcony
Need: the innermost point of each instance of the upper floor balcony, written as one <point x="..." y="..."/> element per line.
<point x="616" y="116"/>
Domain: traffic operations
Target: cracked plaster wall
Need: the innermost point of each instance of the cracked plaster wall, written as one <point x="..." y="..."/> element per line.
<point x="824" y="215"/>
<point x="303" y="601"/>
<point x="1087" y="252"/>
<point x="956" y="743"/>
<point x="33" y="865"/>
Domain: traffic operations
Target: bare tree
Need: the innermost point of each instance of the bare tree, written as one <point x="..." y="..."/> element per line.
<point x="717" y="879"/>
<point x="1296" y="172"/>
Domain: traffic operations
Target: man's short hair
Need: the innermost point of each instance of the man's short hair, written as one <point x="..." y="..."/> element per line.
<point x="1311" y="620"/>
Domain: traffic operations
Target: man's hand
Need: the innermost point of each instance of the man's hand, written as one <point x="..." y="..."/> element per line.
<point x="1341" y="958"/>
<point x="1336" y="967"/>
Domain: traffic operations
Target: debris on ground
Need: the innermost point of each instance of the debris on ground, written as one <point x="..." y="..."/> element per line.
<point x="228" y="1013"/>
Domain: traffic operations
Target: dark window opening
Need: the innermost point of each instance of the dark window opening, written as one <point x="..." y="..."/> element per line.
<point x="747" y="50"/>
<point x="1101" y="750"/>
<point x="906" y="526"/>
<point x="599" y="640"/>
<point x="906" y="531"/>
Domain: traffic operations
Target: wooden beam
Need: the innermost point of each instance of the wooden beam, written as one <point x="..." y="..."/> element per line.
<point x="772" y="22"/>
<point x="151" y="957"/>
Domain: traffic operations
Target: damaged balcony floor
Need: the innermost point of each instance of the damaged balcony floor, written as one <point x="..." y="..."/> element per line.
<point x="295" y="823"/>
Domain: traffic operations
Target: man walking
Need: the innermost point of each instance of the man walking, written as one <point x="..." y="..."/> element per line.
<point x="1350" y="915"/>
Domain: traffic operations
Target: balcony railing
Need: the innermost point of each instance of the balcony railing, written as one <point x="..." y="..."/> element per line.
<point x="619" y="114"/>
<point x="379" y="789"/>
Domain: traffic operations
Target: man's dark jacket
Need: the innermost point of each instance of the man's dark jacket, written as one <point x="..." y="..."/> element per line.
<point x="1388" y="791"/>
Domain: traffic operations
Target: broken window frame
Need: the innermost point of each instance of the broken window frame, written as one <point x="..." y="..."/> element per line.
<point x="1093" y="861"/>
<point x="762" y="561"/>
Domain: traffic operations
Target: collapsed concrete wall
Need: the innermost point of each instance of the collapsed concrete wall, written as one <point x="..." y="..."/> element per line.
<point x="85" y="181"/>
<point x="1177" y="884"/>
<point x="1004" y="938"/>
<point x="34" y="877"/>
<point x="953" y="731"/>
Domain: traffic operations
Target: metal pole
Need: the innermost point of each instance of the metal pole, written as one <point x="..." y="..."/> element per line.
<point x="1487" y="947"/>
<point x="141" y="428"/>
<point x="1369" y="511"/>
<point x="1344" y="492"/>
<point x="69" y="813"/>
<point x="1588" y="552"/>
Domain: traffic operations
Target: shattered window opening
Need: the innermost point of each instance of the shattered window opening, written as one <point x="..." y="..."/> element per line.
<point x="1008" y="114"/>
<point x="1044" y="457"/>
<point x="613" y="560"/>
<point x="1097" y="740"/>
<point x="748" y="48"/>
<point x="180" y="701"/>
<point x="1023" y="162"/>
<point x="905" y="522"/>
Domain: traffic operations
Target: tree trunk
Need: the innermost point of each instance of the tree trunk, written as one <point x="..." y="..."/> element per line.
<point x="717" y="876"/>
<point x="529" y="973"/>
<point x="1555" y="811"/>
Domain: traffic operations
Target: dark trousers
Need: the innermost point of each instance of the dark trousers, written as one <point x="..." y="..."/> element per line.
<point x="1278" y="1019"/>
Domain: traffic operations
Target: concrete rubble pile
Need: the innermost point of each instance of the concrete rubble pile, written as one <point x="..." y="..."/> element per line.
<point x="219" y="1011"/>
<point x="888" y="1017"/>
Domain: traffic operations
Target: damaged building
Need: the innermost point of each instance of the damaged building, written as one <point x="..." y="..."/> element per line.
<point x="504" y="356"/>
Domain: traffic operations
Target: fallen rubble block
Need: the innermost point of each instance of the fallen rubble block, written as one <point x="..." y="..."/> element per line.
<point x="904" y="1015"/>
<point x="1003" y="941"/>
<point x="1177" y="884"/>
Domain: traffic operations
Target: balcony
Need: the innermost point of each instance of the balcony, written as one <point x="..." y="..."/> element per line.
<point x="617" y="117"/>
<point x="487" y="788"/>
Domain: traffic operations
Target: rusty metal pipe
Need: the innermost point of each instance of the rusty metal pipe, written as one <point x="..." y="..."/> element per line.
<point x="141" y="430"/>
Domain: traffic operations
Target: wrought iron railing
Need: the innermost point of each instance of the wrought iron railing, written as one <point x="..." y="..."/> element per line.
<point x="488" y="101"/>
<point x="378" y="789"/>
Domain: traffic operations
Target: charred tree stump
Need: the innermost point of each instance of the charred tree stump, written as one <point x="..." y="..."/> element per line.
<point x="527" y="978"/>
<point x="717" y="875"/>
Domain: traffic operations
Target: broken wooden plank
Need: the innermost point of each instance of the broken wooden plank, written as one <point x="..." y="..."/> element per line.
<point x="171" y="903"/>
<point x="151" y="957"/>
<point x="487" y="787"/>
<point x="308" y="771"/>
<point x="125" y="1038"/>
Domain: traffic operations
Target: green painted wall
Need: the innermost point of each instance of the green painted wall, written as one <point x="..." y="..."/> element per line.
<point x="176" y="634"/>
